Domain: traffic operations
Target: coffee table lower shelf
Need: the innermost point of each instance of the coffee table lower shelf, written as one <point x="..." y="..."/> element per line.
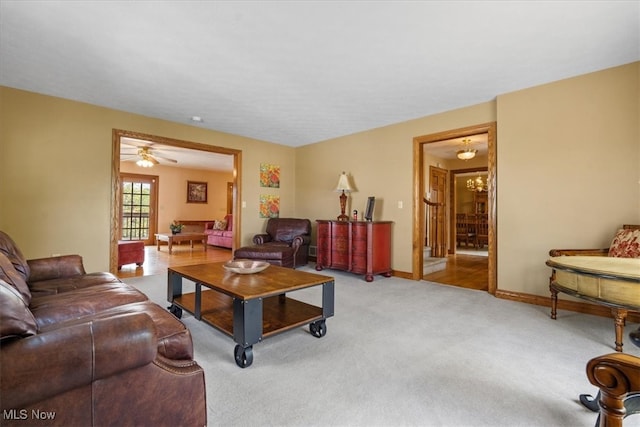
<point x="279" y="313"/>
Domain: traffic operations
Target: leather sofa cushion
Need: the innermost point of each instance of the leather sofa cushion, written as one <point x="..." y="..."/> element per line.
<point x="286" y="229"/>
<point x="12" y="277"/>
<point x="16" y="320"/>
<point x="68" y="284"/>
<point x="82" y="302"/>
<point x="266" y="251"/>
<point x="11" y="250"/>
<point x="174" y="339"/>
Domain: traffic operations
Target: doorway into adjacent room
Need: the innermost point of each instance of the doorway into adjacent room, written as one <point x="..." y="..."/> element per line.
<point x="423" y="210"/>
<point x="119" y="136"/>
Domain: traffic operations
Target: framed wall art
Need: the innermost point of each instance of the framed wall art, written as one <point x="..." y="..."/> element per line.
<point x="269" y="206"/>
<point x="196" y="192"/>
<point x="269" y="175"/>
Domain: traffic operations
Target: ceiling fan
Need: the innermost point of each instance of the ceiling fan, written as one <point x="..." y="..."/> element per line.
<point x="146" y="155"/>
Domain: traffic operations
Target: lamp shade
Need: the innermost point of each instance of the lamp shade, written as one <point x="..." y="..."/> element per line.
<point x="343" y="184"/>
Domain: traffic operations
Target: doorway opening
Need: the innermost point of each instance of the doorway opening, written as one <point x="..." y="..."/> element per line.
<point x="419" y="213"/>
<point x="116" y="199"/>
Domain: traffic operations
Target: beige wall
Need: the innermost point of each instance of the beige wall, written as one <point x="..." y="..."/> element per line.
<point x="55" y="173"/>
<point x="172" y="198"/>
<point x="380" y="162"/>
<point x="568" y="166"/>
<point x="568" y="170"/>
<point x="568" y="157"/>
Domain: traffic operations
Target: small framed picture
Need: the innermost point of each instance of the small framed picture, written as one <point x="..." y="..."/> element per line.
<point x="368" y="214"/>
<point x="196" y="192"/>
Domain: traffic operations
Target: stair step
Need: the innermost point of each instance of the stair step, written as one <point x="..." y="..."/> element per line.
<point x="431" y="265"/>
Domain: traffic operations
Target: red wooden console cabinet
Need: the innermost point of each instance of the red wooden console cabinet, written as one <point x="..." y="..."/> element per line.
<point x="361" y="247"/>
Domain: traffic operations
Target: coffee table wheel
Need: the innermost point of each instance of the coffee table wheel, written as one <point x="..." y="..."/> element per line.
<point x="175" y="310"/>
<point x="243" y="355"/>
<point x="318" y="328"/>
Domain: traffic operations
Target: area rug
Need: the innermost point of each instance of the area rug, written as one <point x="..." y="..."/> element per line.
<point x="406" y="353"/>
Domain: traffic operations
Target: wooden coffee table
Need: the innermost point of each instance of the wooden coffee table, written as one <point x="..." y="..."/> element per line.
<point x="180" y="237"/>
<point x="250" y="307"/>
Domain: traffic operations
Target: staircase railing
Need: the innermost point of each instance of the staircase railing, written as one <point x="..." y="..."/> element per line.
<point x="434" y="238"/>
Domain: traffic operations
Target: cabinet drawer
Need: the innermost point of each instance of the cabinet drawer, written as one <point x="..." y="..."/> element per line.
<point x="359" y="263"/>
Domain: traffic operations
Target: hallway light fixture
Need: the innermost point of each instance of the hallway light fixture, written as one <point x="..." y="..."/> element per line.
<point x="476" y="184"/>
<point x="467" y="153"/>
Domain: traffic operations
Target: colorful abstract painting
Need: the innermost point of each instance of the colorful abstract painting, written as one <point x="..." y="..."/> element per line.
<point x="269" y="175"/>
<point x="269" y="206"/>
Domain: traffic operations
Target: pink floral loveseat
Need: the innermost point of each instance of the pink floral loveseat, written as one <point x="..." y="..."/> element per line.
<point x="220" y="233"/>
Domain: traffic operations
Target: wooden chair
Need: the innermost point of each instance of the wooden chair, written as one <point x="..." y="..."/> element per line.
<point x="482" y="230"/>
<point x="464" y="233"/>
<point x="617" y="377"/>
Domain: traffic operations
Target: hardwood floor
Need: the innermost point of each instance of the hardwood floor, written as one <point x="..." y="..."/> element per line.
<point x="465" y="271"/>
<point x="157" y="262"/>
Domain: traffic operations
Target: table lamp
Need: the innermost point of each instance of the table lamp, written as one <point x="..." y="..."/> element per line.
<point x="343" y="187"/>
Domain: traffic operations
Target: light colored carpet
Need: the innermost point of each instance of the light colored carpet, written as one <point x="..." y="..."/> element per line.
<point x="406" y="353"/>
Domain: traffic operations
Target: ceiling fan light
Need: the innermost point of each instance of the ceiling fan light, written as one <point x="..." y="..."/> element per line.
<point x="144" y="163"/>
<point x="466" y="154"/>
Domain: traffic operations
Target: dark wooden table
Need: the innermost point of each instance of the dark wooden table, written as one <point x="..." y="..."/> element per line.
<point x="250" y="307"/>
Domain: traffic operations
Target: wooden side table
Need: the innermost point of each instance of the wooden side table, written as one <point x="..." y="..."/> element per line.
<point x="180" y="237"/>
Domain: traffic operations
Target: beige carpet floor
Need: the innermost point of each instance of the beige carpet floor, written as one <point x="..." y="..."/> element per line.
<point x="406" y="353"/>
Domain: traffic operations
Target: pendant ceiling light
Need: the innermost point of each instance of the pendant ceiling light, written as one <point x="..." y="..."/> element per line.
<point x="467" y="153"/>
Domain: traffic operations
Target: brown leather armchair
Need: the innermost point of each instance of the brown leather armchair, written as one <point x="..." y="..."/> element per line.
<point x="285" y="243"/>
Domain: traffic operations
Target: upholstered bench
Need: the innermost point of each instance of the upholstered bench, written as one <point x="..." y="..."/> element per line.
<point x="281" y="255"/>
<point x="129" y="252"/>
<point x="609" y="281"/>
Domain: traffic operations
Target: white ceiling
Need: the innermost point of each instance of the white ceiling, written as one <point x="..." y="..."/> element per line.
<point x="296" y="73"/>
<point x="184" y="157"/>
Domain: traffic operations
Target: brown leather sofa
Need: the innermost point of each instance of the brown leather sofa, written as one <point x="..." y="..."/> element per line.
<point x="285" y="243"/>
<point x="82" y="349"/>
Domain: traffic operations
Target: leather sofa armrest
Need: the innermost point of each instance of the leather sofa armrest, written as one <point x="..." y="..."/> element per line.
<point x="261" y="239"/>
<point x="301" y="241"/>
<point x="55" y="267"/>
<point x="41" y="366"/>
<point x="579" y="252"/>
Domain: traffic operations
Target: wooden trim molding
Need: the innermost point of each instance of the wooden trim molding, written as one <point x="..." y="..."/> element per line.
<point x="576" y="306"/>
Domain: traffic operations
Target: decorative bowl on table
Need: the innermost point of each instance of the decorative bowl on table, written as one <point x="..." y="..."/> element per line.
<point x="245" y="266"/>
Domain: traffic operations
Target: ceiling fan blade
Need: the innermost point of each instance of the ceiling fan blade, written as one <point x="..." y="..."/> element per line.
<point x="166" y="158"/>
<point x="153" y="160"/>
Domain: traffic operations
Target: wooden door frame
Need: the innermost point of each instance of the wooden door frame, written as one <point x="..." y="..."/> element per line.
<point x="418" y="194"/>
<point x="116" y="136"/>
